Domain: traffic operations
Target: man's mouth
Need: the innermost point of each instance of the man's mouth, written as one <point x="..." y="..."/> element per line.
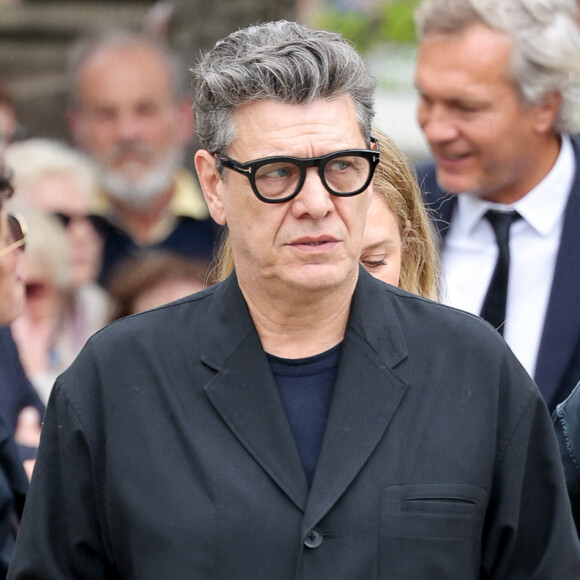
<point x="447" y="156"/>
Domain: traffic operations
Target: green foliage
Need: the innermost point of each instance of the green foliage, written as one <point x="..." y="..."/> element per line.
<point x="390" y="21"/>
<point x="397" y="24"/>
<point x="352" y="25"/>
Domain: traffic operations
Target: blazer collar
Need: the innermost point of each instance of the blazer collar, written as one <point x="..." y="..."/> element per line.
<point x="366" y="395"/>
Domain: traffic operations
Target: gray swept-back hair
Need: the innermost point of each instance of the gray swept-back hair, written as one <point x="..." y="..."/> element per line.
<point x="545" y="37"/>
<point x="122" y="39"/>
<point x="276" y="60"/>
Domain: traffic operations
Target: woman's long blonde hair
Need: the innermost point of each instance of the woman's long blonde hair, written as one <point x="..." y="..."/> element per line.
<point x="395" y="181"/>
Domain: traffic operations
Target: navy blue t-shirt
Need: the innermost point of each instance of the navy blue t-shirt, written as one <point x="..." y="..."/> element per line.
<point x="306" y="386"/>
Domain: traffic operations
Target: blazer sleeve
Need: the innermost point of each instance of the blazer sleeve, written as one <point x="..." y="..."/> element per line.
<point x="529" y="528"/>
<point x="61" y="535"/>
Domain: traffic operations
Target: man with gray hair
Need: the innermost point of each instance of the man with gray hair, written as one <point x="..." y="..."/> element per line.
<point x="297" y="420"/>
<point x="129" y="112"/>
<point x="499" y="88"/>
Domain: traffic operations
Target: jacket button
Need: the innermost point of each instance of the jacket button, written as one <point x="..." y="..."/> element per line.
<point x="313" y="538"/>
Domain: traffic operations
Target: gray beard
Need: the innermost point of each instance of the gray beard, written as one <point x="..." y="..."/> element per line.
<point x="140" y="194"/>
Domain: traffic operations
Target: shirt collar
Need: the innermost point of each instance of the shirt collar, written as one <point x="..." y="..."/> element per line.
<point x="542" y="207"/>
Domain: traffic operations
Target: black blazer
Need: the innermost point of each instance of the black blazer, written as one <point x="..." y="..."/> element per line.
<point x="558" y="365"/>
<point x="566" y="419"/>
<point x="166" y="453"/>
<point x="16" y="391"/>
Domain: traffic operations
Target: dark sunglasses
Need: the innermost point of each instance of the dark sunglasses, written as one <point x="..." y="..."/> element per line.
<point x="66" y="219"/>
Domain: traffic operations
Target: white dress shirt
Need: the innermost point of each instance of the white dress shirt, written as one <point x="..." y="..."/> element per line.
<point x="470" y="254"/>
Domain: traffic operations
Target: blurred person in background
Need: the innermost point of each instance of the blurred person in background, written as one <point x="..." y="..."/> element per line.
<point x="13" y="478"/>
<point x="128" y="111"/>
<point x="19" y="402"/>
<point x="42" y="330"/>
<point x="54" y="179"/>
<point x="142" y="283"/>
<point x="499" y="102"/>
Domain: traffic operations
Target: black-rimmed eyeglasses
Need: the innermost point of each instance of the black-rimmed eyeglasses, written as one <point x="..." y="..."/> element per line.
<point x="278" y="179"/>
<point x="18" y="233"/>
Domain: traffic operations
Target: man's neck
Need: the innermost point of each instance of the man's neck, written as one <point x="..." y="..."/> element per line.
<point x="302" y="324"/>
<point x="140" y="223"/>
<point x="545" y="154"/>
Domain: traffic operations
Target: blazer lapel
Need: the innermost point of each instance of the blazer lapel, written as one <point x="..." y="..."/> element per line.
<point x="561" y="331"/>
<point x="366" y="396"/>
<point x="244" y="394"/>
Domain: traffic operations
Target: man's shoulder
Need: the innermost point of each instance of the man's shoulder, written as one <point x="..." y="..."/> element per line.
<point x="424" y="320"/>
<point x="151" y="333"/>
<point x="443" y="351"/>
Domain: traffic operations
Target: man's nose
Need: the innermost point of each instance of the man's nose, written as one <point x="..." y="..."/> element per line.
<point x="437" y="123"/>
<point x="128" y="126"/>
<point x="313" y="199"/>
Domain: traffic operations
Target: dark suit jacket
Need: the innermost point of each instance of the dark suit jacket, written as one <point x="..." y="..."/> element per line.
<point x="166" y="453"/>
<point x="566" y="419"/>
<point x="558" y="364"/>
<point x="16" y="391"/>
<point x="13" y="486"/>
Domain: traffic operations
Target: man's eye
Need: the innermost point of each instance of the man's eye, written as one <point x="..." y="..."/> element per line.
<point x="276" y="171"/>
<point x="467" y="108"/>
<point x="148" y="110"/>
<point x="372" y="264"/>
<point x="338" y="165"/>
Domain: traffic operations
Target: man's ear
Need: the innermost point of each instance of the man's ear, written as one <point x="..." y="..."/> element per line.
<point x="548" y="112"/>
<point x="211" y="184"/>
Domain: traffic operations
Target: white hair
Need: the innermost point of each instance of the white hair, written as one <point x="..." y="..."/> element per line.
<point x="545" y="36"/>
<point x="32" y="160"/>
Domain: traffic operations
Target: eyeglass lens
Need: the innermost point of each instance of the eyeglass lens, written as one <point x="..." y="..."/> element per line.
<point x="341" y="175"/>
<point x="17" y="235"/>
<point x="16" y="230"/>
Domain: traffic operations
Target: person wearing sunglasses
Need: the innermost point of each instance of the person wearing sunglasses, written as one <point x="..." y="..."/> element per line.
<point x="300" y="419"/>
<point x="20" y="405"/>
<point x="60" y="183"/>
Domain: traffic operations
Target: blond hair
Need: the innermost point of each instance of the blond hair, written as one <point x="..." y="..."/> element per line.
<point x="395" y="182"/>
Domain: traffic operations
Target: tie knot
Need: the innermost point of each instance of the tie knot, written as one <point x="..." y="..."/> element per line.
<point x="501" y="222"/>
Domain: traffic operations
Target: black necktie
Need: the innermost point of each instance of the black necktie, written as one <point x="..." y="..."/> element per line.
<point x="494" y="304"/>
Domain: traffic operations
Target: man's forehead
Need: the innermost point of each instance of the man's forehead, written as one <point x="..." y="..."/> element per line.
<point x="274" y="123"/>
<point x="117" y="69"/>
